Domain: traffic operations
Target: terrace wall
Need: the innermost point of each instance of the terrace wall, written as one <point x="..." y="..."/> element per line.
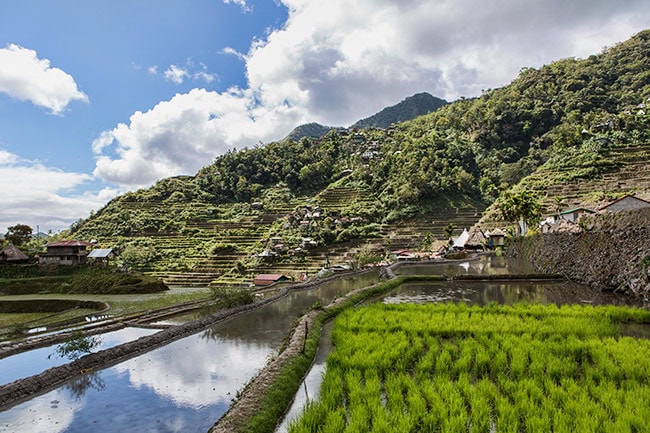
<point x="611" y="253"/>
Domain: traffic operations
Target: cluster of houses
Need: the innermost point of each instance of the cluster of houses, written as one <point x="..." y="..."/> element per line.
<point x="568" y="220"/>
<point x="63" y="253"/>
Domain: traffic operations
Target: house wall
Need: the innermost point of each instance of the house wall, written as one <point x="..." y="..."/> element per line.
<point x="628" y="203"/>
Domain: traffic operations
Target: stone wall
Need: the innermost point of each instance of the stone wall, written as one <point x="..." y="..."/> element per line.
<point x="611" y="252"/>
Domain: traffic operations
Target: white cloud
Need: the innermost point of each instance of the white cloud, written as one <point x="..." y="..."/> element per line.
<point x="34" y="194"/>
<point x="153" y="69"/>
<point x="184" y="134"/>
<point x="241" y="3"/>
<point x="233" y="52"/>
<point x="176" y="74"/>
<point x="26" y="77"/>
<point x="338" y="61"/>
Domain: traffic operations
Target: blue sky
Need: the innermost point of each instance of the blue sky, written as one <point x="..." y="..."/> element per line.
<point x="98" y="98"/>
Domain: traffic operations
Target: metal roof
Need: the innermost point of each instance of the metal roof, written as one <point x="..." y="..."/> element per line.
<point x="68" y="244"/>
<point x="100" y="253"/>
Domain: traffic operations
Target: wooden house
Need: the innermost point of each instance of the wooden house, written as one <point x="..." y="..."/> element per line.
<point x="496" y="238"/>
<point x="65" y="253"/>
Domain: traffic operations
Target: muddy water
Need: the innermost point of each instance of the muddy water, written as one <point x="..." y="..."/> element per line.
<point x="182" y="387"/>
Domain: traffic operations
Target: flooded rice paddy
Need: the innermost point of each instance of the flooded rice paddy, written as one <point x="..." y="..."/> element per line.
<point x="184" y="386"/>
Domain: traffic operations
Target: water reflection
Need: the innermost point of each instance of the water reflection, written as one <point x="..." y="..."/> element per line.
<point x="184" y="386"/>
<point x="35" y="361"/>
<point x="484" y="265"/>
<point x="482" y="293"/>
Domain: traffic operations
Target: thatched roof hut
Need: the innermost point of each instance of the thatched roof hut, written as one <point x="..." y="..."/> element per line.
<point x="11" y="254"/>
<point x="476" y="239"/>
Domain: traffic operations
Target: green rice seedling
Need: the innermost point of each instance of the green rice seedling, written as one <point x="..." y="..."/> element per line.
<point x="500" y="368"/>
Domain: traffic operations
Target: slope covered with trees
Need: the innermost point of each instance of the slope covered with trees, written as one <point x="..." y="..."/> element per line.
<point x="570" y="121"/>
<point x="410" y="108"/>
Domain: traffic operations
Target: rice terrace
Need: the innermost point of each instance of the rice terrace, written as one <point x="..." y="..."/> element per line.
<point x="456" y="368"/>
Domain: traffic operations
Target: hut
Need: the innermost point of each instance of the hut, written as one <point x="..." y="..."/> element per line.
<point x="496" y="238"/>
<point x="11" y="254"/>
<point x="461" y="240"/>
<point x="573" y="215"/>
<point x="268" y="279"/>
<point x="476" y="239"/>
<point x="101" y="256"/>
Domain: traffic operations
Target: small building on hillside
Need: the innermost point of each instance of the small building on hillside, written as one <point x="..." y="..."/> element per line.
<point x="460" y="241"/>
<point x="496" y="238"/>
<point x="101" y="256"/>
<point x="12" y="255"/>
<point x="268" y="279"/>
<point x="573" y="215"/>
<point x="628" y="202"/>
<point x="65" y="253"/>
<point x="476" y="239"/>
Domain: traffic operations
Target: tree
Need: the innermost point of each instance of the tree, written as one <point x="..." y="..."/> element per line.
<point x="559" y="202"/>
<point x="18" y="234"/>
<point x="520" y="206"/>
<point x="449" y="230"/>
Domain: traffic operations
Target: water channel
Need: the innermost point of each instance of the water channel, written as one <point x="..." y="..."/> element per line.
<point x="184" y="386"/>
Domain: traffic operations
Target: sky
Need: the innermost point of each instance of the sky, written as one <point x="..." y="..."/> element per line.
<point x="102" y="97"/>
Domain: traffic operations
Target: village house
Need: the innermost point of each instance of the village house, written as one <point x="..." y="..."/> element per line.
<point x="573" y="215"/>
<point x="268" y="279"/>
<point x="628" y="202"/>
<point x="12" y="255"/>
<point x="65" y="253"/>
<point x="496" y="238"/>
<point x="101" y="256"/>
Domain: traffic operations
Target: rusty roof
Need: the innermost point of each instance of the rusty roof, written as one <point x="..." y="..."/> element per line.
<point x="69" y="244"/>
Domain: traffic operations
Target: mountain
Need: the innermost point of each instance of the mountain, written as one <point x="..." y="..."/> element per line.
<point x="310" y="130"/>
<point x="576" y="129"/>
<point x="410" y="108"/>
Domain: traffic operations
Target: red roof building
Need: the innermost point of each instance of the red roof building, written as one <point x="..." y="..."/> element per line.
<point x="268" y="279"/>
<point x="65" y="253"/>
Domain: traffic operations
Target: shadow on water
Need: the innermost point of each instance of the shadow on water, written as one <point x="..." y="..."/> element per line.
<point x="183" y="386"/>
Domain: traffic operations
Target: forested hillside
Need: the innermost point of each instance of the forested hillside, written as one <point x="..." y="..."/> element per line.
<point x="570" y="121"/>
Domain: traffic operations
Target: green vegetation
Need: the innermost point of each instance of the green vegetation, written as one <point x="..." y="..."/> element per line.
<point x="75" y="279"/>
<point x="283" y="389"/>
<point x="232" y="297"/>
<point x="457" y="368"/>
<point x="410" y="108"/>
<point x="77" y="345"/>
<point x="547" y="132"/>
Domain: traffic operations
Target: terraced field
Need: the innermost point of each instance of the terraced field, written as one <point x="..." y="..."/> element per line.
<point x="211" y="247"/>
<point x="631" y="176"/>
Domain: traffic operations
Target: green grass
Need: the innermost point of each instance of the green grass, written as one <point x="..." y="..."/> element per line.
<point x="455" y="368"/>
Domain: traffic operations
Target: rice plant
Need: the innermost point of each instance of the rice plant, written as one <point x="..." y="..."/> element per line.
<point x="459" y="368"/>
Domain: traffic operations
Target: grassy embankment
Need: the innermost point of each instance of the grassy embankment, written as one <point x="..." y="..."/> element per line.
<point x="456" y="368"/>
<point x="125" y="293"/>
<point x="284" y="388"/>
